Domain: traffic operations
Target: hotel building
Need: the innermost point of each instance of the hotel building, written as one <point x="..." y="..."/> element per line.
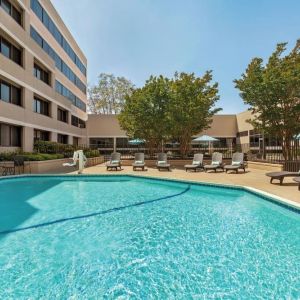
<point x="42" y="77"/>
<point x="43" y="88"/>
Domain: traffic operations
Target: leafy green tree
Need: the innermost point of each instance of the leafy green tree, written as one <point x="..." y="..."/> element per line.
<point x="165" y="108"/>
<point x="108" y="96"/>
<point x="144" y="114"/>
<point x="191" y="107"/>
<point x="273" y="93"/>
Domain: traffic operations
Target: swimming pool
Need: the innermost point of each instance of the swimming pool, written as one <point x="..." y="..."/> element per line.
<point x="87" y="237"/>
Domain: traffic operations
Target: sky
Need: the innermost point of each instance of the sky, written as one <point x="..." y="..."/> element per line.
<point x="139" y="38"/>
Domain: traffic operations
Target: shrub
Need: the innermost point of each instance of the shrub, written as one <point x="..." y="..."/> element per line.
<point x="91" y="153"/>
<point x="9" y="156"/>
<point x="41" y="156"/>
<point x="65" y="150"/>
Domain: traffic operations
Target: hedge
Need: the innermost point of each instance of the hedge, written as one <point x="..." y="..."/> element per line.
<point x="30" y="156"/>
<point x="48" y="151"/>
<point x="64" y="149"/>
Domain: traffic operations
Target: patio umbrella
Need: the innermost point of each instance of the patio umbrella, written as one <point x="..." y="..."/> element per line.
<point x="205" y="138"/>
<point x="136" y="142"/>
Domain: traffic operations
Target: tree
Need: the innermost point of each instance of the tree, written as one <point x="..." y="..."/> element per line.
<point x="273" y="93"/>
<point x="108" y="96"/>
<point x="166" y="108"/>
<point x="191" y="108"/>
<point x="144" y="114"/>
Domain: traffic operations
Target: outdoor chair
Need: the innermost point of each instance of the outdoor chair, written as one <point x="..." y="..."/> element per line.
<point x="18" y="164"/>
<point x="216" y="162"/>
<point x="297" y="179"/>
<point x="237" y="163"/>
<point x="115" y="162"/>
<point x="139" y="161"/>
<point x="281" y="175"/>
<point x="162" y="162"/>
<point x="197" y="163"/>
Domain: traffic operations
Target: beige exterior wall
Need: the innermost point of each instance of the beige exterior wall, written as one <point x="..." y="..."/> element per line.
<point x="223" y="126"/>
<point x="22" y="76"/>
<point x="104" y="126"/>
<point x="243" y="125"/>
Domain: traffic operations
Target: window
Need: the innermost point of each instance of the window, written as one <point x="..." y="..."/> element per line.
<point x="49" y="24"/>
<point x="36" y="37"/>
<point x="41" y="135"/>
<point x="101" y="143"/>
<point x="75" y="121"/>
<point x="62" y="138"/>
<point x="12" y="11"/>
<point x="69" y="95"/>
<point x="62" y="115"/>
<point x="5" y="92"/>
<point x="41" y="74"/>
<point x="6" y="6"/>
<point x="242" y="133"/>
<point x="37" y="8"/>
<point x="41" y="107"/>
<point x="10" y="93"/>
<point x="15" y="95"/>
<point x="10" y="51"/>
<point x="17" y="15"/>
<point x="10" y="136"/>
<point x="5" y="48"/>
<point x="75" y="141"/>
<point x="122" y="143"/>
<point x="62" y="66"/>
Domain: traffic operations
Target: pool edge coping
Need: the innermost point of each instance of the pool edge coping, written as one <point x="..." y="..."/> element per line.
<point x="286" y="203"/>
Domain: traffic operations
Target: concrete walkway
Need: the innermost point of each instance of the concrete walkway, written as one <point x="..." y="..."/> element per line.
<point x="253" y="178"/>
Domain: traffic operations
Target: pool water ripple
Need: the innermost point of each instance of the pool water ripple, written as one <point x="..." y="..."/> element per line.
<point x="196" y="242"/>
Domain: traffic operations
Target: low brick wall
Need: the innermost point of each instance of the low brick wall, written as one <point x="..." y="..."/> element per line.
<point x="54" y="166"/>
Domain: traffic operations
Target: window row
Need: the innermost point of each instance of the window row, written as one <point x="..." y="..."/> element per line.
<point x="77" y="122"/>
<point x="43" y="107"/>
<point x="10" y="93"/>
<point x="41" y="74"/>
<point x="41" y="135"/>
<point x="62" y="138"/>
<point x="15" y="13"/>
<point x="59" y="63"/>
<point x="10" y="51"/>
<point x="10" y="136"/>
<point x="62" y="90"/>
<point x="47" y="21"/>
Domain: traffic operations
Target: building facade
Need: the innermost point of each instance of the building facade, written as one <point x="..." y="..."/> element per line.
<point x="104" y="132"/>
<point x="43" y="88"/>
<point x="42" y="77"/>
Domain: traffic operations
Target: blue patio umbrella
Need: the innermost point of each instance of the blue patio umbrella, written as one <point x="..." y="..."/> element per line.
<point x="136" y="142"/>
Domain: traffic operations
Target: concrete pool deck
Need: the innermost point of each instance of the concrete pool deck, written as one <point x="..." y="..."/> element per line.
<point x="253" y="178"/>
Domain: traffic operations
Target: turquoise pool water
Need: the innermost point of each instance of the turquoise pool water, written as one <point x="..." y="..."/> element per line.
<point x="130" y="238"/>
